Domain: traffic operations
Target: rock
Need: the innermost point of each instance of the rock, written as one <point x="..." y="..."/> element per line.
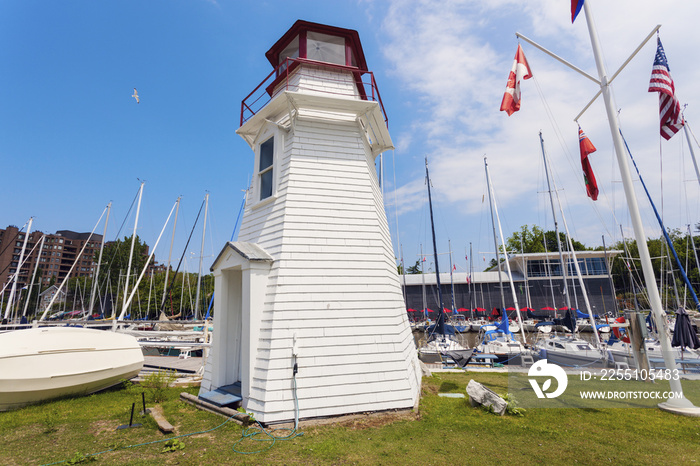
<point x="480" y="395"/>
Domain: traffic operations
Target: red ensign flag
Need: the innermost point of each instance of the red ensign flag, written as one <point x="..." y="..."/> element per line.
<point x="520" y="70"/>
<point x="587" y="147"/>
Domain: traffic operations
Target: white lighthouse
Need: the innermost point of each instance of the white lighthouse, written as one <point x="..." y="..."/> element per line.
<point x="312" y="280"/>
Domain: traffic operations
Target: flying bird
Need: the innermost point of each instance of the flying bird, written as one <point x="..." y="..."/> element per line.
<point x="135" y="95"/>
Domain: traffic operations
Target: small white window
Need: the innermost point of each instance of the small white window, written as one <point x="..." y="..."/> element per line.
<point x="265" y="168"/>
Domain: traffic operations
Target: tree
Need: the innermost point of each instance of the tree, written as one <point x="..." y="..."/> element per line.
<point x="534" y="240"/>
<point x="115" y="260"/>
<point x="526" y="240"/>
<point x="414" y="269"/>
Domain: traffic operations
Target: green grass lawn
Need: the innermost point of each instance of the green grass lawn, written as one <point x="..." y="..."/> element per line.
<point x="446" y="431"/>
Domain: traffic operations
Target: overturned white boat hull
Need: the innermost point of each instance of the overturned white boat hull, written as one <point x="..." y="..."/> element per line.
<point x="50" y="362"/>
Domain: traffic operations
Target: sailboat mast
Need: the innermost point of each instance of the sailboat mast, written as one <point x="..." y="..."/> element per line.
<point x="527" y="285"/>
<point x="452" y="283"/>
<point x="72" y="267"/>
<point x="440" y="327"/>
<point x="505" y="254"/>
<point x="679" y="403"/>
<point x="495" y="240"/>
<point x="575" y="260"/>
<point x="96" y="277"/>
<point x="36" y="266"/>
<point x="608" y="268"/>
<point x="422" y="275"/>
<point x="472" y="287"/>
<point x="690" y="146"/>
<point x="145" y="267"/>
<point x="131" y="253"/>
<point x="556" y="226"/>
<point x="19" y="267"/>
<point x="201" y="256"/>
<point x="170" y="254"/>
<point x="403" y="270"/>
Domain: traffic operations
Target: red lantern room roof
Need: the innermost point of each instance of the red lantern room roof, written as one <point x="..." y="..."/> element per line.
<point x="302" y="33"/>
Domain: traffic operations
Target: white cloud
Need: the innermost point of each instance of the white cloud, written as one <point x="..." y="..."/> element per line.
<point x="454" y="60"/>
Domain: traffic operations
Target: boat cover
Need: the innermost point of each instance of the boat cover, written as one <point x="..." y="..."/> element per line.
<point x="532" y="315"/>
<point x="583" y="315"/>
<point x="461" y="357"/>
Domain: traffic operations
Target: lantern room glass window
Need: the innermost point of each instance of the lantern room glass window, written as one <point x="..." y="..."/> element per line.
<point x="290" y="51"/>
<point x="325" y="48"/>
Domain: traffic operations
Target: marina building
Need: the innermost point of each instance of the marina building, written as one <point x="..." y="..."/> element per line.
<point x="538" y="281"/>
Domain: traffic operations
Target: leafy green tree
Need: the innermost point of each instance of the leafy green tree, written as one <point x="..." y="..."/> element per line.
<point x="115" y="261"/>
<point x="527" y="240"/>
<point x="533" y="240"/>
<point x="414" y="269"/>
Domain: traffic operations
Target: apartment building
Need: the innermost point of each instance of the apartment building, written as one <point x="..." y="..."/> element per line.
<point x="60" y="252"/>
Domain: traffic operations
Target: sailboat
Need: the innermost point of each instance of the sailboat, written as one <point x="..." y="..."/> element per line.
<point x="499" y="341"/>
<point x="569" y="350"/>
<point x="440" y="336"/>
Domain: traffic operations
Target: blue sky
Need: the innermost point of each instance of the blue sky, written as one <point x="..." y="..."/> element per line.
<point x="73" y="139"/>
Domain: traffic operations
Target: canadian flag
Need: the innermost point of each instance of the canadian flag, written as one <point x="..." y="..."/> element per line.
<point x="520" y="71"/>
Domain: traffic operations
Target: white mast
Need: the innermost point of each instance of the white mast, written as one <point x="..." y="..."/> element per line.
<point x="201" y="256"/>
<point x="170" y="254"/>
<point x="70" y="271"/>
<point x="36" y="266"/>
<point x="505" y="255"/>
<point x="681" y="404"/>
<point x="19" y="267"/>
<point x="422" y="273"/>
<point x="690" y="146"/>
<point x="452" y="283"/>
<point x="564" y="265"/>
<point x="131" y="253"/>
<point x="571" y="248"/>
<point x="145" y="267"/>
<point x="96" y="276"/>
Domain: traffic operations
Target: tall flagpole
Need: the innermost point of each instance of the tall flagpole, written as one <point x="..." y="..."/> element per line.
<point x="680" y="405"/>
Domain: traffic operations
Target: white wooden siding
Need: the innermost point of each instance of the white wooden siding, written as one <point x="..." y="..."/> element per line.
<point x="333" y="282"/>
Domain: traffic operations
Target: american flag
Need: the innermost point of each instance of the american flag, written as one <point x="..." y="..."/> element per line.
<point x="661" y="82"/>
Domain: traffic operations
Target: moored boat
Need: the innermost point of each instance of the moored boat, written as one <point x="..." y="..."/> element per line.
<point x="50" y="362"/>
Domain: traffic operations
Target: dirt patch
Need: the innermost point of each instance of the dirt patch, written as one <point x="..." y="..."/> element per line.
<point x="372" y="420"/>
<point x="357" y="421"/>
<point x="100" y="427"/>
<point x="430" y="389"/>
<point x="206" y="435"/>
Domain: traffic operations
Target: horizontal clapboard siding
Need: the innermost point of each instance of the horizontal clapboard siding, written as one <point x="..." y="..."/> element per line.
<point x="333" y="283"/>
